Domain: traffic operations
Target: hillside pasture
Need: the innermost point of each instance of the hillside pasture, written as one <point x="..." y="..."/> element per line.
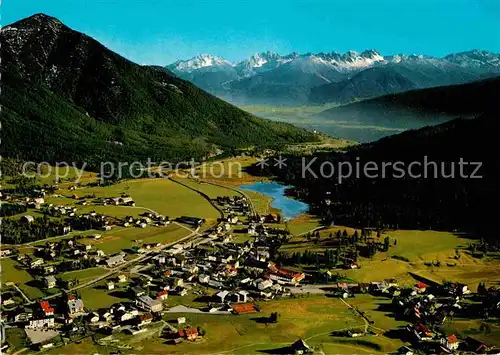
<point x="121" y="238"/>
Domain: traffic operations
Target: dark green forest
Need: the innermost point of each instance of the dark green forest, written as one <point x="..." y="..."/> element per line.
<point x="66" y="97"/>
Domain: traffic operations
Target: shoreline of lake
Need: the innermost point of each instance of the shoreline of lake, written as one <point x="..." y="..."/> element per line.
<point x="290" y="208"/>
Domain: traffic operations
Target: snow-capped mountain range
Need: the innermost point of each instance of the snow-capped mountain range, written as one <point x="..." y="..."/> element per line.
<point x="263" y="61"/>
<point x="268" y="77"/>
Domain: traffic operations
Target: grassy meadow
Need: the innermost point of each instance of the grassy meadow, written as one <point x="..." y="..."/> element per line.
<point x="11" y="272"/>
<point x="310" y="318"/>
<point x="160" y="195"/>
<point x="428" y="254"/>
<point x="121" y="238"/>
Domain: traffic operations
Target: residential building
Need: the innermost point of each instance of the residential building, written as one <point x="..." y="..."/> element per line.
<point x="148" y="304"/>
<point x="75" y="306"/>
<point x="50" y="281"/>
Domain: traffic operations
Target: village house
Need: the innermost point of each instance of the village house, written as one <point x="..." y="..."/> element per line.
<point x="262" y="285"/>
<point x="75" y="306"/>
<point x="50" y="269"/>
<point x="127" y="315"/>
<point x="189" y="333"/>
<point x="46" y="309"/>
<point x="420" y="287"/>
<point x="221" y="296"/>
<point x="100" y="253"/>
<point x="115" y="260"/>
<point x="300" y="347"/>
<point x="203" y="279"/>
<point x="138" y="291"/>
<point x="93" y="317"/>
<point x="144" y="319"/>
<point x="148" y="304"/>
<point x="450" y="342"/>
<point x="27" y="219"/>
<point x="5" y="252"/>
<point x="162" y="295"/>
<point x="122" y="278"/>
<point x="36" y="263"/>
<point x="23" y="315"/>
<point x="50" y="281"/>
<point x="240" y="296"/>
<point x="193" y="221"/>
<point x="180" y="291"/>
<point x="110" y="285"/>
<point x="215" y="284"/>
<point x="285" y="275"/>
<point x="44" y="323"/>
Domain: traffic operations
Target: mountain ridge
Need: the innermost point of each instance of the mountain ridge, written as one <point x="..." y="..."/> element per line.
<point x="54" y="77"/>
<point x="318" y="78"/>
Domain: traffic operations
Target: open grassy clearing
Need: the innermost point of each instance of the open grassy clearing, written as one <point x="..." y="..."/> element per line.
<point x="229" y="171"/>
<point x="121" y="238"/>
<point x="420" y="248"/>
<point x="85" y="346"/>
<point x="11" y="272"/>
<point x="97" y="296"/>
<point x="16" y="338"/>
<point x="376" y="309"/>
<point x="472" y="327"/>
<point x="425" y="245"/>
<point x="84" y="275"/>
<point x="303" y="224"/>
<point x="161" y="195"/>
<point x="48" y="174"/>
<point x="298" y="318"/>
<point x="261" y="203"/>
<point x="311" y="318"/>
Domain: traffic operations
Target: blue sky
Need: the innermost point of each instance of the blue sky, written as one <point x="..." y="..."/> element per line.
<point x="162" y="31"/>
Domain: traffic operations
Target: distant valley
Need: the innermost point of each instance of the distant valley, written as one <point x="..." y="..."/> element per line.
<point x="372" y="119"/>
<point x="268" y="78"/>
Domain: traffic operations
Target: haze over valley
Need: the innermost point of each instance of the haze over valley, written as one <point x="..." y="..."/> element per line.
<point x="295" y="88"/>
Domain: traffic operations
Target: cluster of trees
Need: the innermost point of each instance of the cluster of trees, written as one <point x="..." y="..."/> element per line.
<point x="27" y="186"/>
<point x="344" y="248"/>
<point x="17" y="232"/>
<point x="80" y="264"/>
<point x="11" y="209"/>
<point x="434" y="202"/>
<point x="88" y="222"/>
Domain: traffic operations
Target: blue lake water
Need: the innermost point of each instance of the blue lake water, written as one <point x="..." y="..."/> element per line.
<point x="289" y="207"/>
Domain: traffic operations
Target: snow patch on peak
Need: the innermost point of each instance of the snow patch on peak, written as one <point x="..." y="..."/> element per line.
<point x="198" y="62"/>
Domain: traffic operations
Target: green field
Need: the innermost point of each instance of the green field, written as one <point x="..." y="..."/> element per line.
<point x="11" y="272"/>
<point x="210" y="190"/>
<point x="311" y="318"/>
<point x="121" y="238"/>
<point x="160" y="195"/>
<point x="425" y="245"/>
<point x="96" y="297"/>
<point x="83" y="275"/>
<point x="66" y="174"/>
<point x="472" y="327"/>
<point x="303" y="224"/>
<point x="420" y="248"/>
